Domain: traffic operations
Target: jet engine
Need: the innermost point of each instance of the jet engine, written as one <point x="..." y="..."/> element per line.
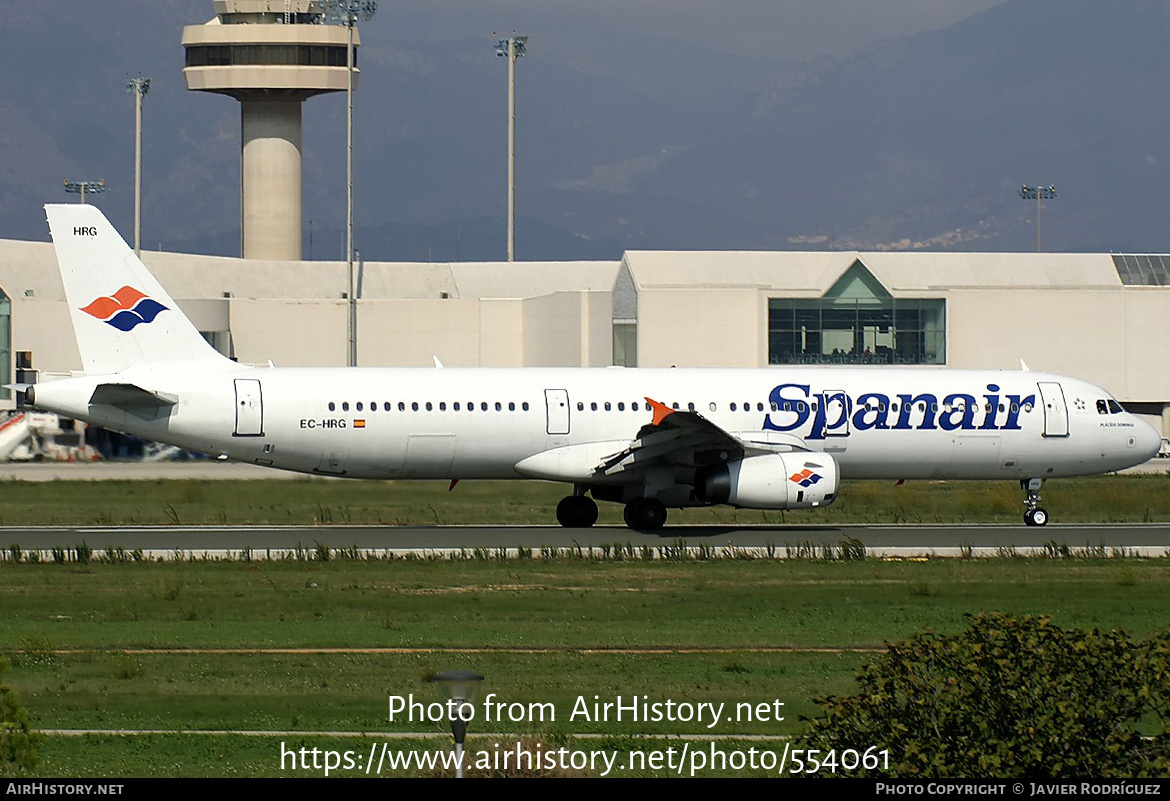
<point x="796" y="480"/>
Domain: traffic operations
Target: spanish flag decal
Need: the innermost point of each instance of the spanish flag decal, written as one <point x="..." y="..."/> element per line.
<point x="359" y="423"/>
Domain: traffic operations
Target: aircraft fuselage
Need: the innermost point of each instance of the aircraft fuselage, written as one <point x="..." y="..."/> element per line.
<point x="480" y="423"/>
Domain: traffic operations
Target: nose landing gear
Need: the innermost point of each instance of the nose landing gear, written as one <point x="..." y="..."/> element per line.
<point x="1034" y="514"/>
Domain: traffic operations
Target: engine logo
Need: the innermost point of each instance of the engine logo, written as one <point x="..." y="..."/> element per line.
<point x="805" y="478"/>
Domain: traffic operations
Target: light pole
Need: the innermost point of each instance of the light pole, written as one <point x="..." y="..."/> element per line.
<point x="347" y="12"/>
<point x="139" y="87"/>
<point x="1037" y="193"/>
<point x="81" y="187"/>
<point x="512" y="48"/>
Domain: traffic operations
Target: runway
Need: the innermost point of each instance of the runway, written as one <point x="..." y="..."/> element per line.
<point x="278" y="541"/>
<point x="779" y="541"/>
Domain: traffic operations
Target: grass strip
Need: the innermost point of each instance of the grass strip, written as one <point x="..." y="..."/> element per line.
<point x="1101" y="499"/>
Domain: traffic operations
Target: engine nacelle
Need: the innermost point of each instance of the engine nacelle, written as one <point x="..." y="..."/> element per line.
<point x="796" y="480"/>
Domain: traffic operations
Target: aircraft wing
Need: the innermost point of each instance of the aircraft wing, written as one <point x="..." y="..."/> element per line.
<point x="687" y="438"/>
<point x="673" y="437"/>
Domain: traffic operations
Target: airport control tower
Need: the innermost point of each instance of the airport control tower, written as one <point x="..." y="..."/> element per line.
<point x="271" y="55"/>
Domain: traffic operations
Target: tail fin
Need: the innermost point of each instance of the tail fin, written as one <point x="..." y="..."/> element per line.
<point x="121" y="315"/>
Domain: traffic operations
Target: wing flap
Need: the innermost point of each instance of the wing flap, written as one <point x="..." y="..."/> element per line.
<point x="679" y="436"/>
<point x="674" y="437"/>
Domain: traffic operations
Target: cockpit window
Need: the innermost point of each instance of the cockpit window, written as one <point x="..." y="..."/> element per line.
<point x="1102" y="406"/>
<point x="1115" y="407"/>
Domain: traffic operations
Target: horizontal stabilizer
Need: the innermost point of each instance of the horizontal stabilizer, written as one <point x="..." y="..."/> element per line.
<point x="130" y="397"/>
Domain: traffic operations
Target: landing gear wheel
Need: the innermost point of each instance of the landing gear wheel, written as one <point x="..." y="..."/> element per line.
<point x="645" y="514"/>
<point x="576" y="511"/>
<point x="1034" y="514"/>
<point x="1036" y="517"/>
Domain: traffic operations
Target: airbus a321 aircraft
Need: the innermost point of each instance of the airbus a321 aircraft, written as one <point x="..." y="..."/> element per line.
<point x="777" y="438"/>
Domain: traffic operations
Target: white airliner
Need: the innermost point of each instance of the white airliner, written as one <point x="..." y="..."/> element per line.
<point x="777" y="438"/>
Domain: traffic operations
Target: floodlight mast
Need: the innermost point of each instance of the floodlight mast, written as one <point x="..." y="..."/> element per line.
<point x="347" y="12"/>
<point x="138" y="87"/>
<point x="512" y="48"/>
<point x="1037" y="193"/>
<point x="81" y="187"/>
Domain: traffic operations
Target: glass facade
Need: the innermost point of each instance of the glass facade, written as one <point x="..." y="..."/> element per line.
<point x="268" y="54"/>
<point x="625" y="344"/>
<point x="1142" y="269"/>
<point x="856" y="322"/>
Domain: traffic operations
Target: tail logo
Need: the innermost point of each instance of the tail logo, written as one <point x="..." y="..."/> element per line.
<point x="125" y="309"/>
<point x="805" y="478"/>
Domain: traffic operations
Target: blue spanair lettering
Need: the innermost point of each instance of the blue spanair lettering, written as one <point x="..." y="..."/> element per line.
<point x="1015" y="406"/>
<point x="792" y="410"/>
<point x="990" y="408"/>
<point x="839" y="425"/>
<point x="926" y="404"/>
<point x="958" y="412"/>
<point x="872" y="411"/>
<point x="798" y="406"/>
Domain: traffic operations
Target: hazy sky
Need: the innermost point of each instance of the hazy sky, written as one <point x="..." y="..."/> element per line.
<point x="789" y="29"/>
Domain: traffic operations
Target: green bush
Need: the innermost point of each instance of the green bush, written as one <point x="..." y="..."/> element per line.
<point x="18" y="742"/>
<point x="1008" y="698"/>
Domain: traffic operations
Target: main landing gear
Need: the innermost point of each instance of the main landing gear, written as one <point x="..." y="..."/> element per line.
<point x="1034" y="514"/>
<point x="645" y="514"/>
<point x="580" y="511"/>
<point x="577" y="511"/>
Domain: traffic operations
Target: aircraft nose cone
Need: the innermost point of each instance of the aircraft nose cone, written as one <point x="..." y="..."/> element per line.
<point x="1149" y="440"/>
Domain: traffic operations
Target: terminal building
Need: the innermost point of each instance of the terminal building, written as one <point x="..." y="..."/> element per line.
<point x="1101" y="317"/>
